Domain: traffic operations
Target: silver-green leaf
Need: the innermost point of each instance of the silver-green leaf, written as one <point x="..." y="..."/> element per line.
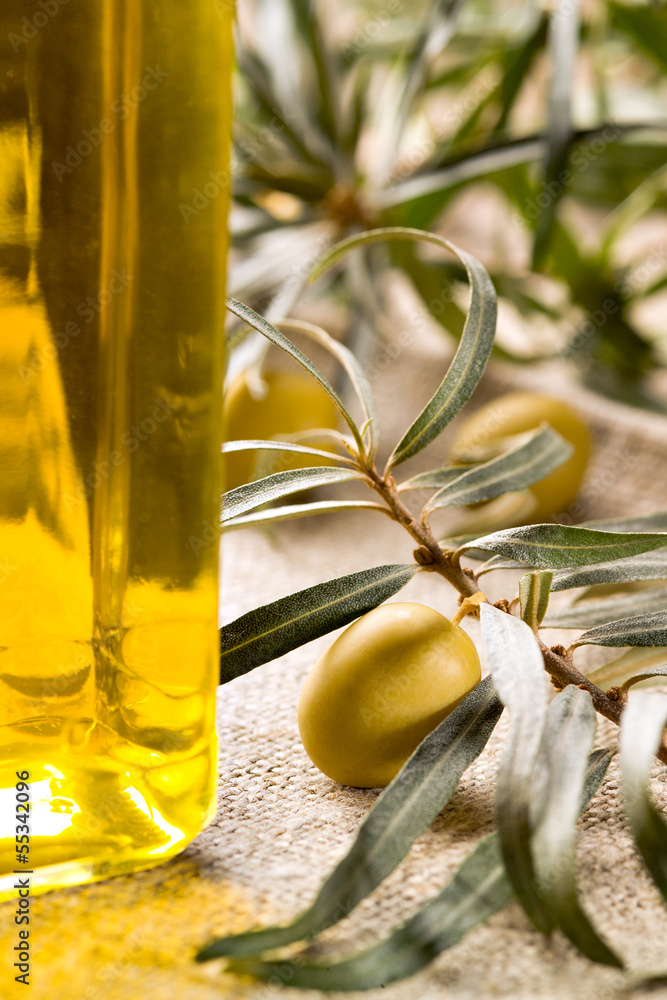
<point x="354" y="371"/>
<point x="642" y="725"/>
<point x="644" y="675"/>
<point x="518" y="671"/>
<point x="526" y="464"/>
<point x="474" y="347"/>
<point x="478" y="889"/>
<point x="534" y="593"/>
<point x="568" y="738"/>
<point x="291" y="512"/>
<point x="262" y="326"/>
<point x="640" y="630"/>
<point x="403" y="811"/>
<point x="557" y="546"/>
<point x="646" y="566"/>
<point x="276" y="445"/>
<point x="276" y="628"/>
<point x="245" y="498"/>
<point x="586" y="614"/>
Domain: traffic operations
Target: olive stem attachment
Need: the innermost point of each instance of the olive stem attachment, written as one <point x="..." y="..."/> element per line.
<point x="558" y="661"/>
<point x="469" y="606"/>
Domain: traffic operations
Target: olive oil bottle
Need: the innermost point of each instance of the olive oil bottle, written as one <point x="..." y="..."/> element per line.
<point x="114" y="181"/>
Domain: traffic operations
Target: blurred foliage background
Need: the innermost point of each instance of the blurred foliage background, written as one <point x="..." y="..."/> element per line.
<point x="532" y="134"/>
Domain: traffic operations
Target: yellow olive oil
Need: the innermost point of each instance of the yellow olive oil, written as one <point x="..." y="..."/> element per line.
<point x="114" y="182"/>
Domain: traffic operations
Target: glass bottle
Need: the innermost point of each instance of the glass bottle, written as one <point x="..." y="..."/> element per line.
<point x="114" y="183"/>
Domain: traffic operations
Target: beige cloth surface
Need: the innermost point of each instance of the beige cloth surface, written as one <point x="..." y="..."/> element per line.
<point x="281" y="825"/>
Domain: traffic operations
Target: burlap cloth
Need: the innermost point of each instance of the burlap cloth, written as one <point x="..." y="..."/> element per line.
<point x="281" y="825"/>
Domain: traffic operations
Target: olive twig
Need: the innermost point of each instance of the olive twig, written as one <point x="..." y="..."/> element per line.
<point x="441" y="559"/>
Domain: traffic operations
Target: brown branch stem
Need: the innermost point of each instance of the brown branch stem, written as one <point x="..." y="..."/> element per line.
<point x="563" y="671"/>
<point x="557" y="662"/>
<point x="430" y="553"/>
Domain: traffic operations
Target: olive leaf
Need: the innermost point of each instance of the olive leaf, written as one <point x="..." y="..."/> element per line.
<point x="478" y="889"/>
<point x="252" y="495"/>
<point x="433" y="478"/>
<point x="276" y="628"/>
<point x="645" y="522"/>
<point x="354" y="371"/>
<point x="262" y="326"/>
<point x="642" y="724"/>
<point x="293" y="511"/>
<point x="563" y="44"/>
<point x="529" y="462"/>
<point x="555" y="546"/>
<point x="589" y="613"/>
<point x="518" y="671"/>
<point x="279" y="445"/>
<point x="645" y="566"/>
<point x="568" y="738"/>
<point x="473" y="351"/>
<point x="628" y="664"/>
<point x="645" y="675"/>
<point x="403" y="811"/>
<point x="640" y="630"/>
<point x="534" y="592"/>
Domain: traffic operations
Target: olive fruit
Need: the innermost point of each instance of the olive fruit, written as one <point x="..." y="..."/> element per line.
<point x="488" y="431"/>
<point x="380" y="688"/>
<point x="291" y="403"/>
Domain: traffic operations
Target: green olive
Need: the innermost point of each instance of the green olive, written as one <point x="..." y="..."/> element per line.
<point x="381" y="687"/>
<point x="489" y="430"/>
<point x="290" y="403"/>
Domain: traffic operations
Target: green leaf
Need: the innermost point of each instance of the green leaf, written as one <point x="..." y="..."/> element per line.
<point x="477" y="891"/>
<point x="627" y="665"/>
<point x="518" y="671"/>
<point x="534" y="592"/>
<point x="277" y="445"/>
<point x="526" y="464"/>
<point x="568" y="738"/>
<point x="276" y="628"/>
<point x="406" y="808"/>
<point x="640" y="630"/>
<point x="644" y="676"/>
<point x="598" y="762"/>
<point x="502" y="155"/>
<point x="647" y="522"/>
<point x="293" y="511"/>
<point x="354" y="370"/>
<point x="563" y="43"/>
<point x="252" y="495"/>
<point x="647" y="566"/>
<point x="434" y="478"/>
<point x="555" y="546"/>
<point x="474" y="348"/>
<point x="642" y="725"/>
<point x="262" y="326"/>
<point x="589" y="613"/>
<point x="645" y="26"/>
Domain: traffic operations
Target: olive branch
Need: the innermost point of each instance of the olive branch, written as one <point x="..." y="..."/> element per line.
<point x="548" y="771"/>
